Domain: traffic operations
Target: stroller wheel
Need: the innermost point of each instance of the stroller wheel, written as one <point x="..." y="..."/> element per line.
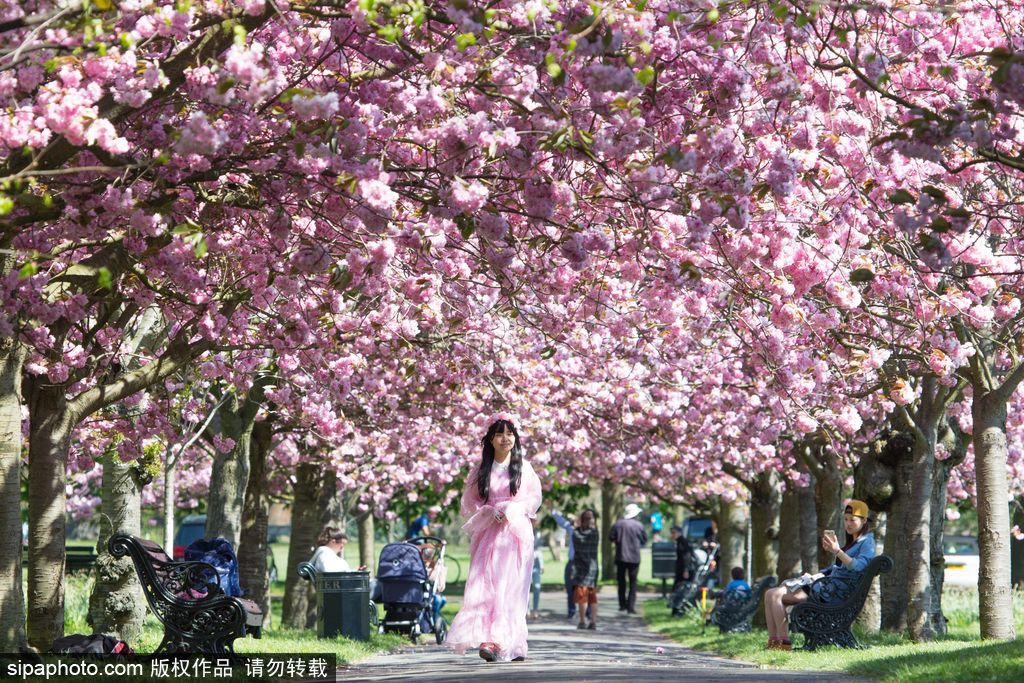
<point x="414" y="633"/>
<point x="440" y="629"/>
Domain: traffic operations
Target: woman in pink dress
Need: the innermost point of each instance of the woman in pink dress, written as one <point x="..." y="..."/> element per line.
<point x="502" y="495"/>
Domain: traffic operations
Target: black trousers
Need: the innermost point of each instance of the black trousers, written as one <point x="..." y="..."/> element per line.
<point x="624" y="570"/>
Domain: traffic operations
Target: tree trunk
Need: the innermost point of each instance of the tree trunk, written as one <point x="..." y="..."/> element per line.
<point x="950" y="437"/>
<point x="789" y="534"/>
<point x="898" y="454"/>
<point x="230" y="474"/>
<point x="50" y="426"/>
<point x="732" y="536"/>
<point x="367" y="553"/>
<point x="917" y="533"/>
<point x="870" y="617"/>
<point x="828" y="498"/>
<point x="253" y="545"/>
<point x="808" y="528"/>
<point x="298" y="594"/>
<point x="765" y="511"/>
<point x="117" y="606"/>
<point x="611" y="511"/>
<point x="169" y="502"/>
<point x="1017" y="547"/>
<point x="12" y="599"/>
<point x="874" y="482"/>
<point x="995" y="603"/>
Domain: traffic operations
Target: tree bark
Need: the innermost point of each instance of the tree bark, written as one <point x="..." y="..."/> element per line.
<point x="789" y="534"/>
<point x="808" y="528"/>
<point x="253" y="545"/>
<point x="956" y="447"/>
<point x="50" y="425"/>
<point x="169" y="502"/>
<point x="12" y="599"/>
<point x="117" y="606"/>
<point x="874" y="481"/>
<point x="995" y="603"/>
<point x="897" y="454"/>
<point x="611" y="511"/>
<point x="828" y="498"/>
<point x="230" y="474"/>
<point x="917" y="534"/>
<point x="732" y="536"/>
<point x="298" y="594"/>
<point x="870" y="617"/>
<point x="1017" y="547"/>
<point x="367" y="553"/>
<point x="765" y="512"/>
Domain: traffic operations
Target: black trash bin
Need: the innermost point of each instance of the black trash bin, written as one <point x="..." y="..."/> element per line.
<point x="343" y="605"/>
<point x="663" y="562"/>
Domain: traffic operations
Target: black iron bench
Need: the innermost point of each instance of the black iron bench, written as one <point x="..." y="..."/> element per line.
<point x="734" y="611"/>
<point x="185" y="596"/>
<point x="828" y="624"/>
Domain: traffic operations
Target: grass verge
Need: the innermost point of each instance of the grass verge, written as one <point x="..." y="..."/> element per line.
<point x="275" y="640"/>
<point x="961" y="655"/>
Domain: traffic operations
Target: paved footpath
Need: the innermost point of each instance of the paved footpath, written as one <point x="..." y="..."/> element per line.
<point x="622" y="649"/>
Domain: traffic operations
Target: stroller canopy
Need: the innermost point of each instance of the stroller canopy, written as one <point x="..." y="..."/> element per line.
<point x="401" y="561"/>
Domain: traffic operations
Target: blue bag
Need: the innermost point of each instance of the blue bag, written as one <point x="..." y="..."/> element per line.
<point x="218" y="553"/>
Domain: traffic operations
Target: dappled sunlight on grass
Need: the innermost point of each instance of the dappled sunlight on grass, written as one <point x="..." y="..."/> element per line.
<point x="276" y="639"/>
<point x="961" y="655"/>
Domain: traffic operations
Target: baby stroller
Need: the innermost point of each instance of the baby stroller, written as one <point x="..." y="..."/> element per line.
<point x="686" y="594"/>
<point x="409" y="576"/>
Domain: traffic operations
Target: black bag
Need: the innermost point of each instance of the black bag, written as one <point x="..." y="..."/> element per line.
<point x="90" y="645"/>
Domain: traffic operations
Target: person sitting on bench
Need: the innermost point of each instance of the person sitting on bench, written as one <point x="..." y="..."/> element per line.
<point x="838" y="580"/>
<point x="737" y="585"/>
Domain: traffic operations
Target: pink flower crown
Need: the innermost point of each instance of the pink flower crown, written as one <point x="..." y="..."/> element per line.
<point x="508" y="417"/>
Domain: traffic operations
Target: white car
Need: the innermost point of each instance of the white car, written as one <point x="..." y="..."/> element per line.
<point x="961" y="554"/>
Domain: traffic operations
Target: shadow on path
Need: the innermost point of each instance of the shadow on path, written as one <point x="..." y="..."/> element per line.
<point x="622" y="649"/>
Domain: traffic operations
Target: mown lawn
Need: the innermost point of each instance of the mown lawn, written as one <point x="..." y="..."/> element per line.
<point x="275" y="640"/>
<point x="961" y="655"/>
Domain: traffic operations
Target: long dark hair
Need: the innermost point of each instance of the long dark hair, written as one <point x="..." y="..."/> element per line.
<point x="869" y="526"/>
<point x="515" y="465"/>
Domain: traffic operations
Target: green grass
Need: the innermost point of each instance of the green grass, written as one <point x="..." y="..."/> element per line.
<point x="961" y="655"/>
<point x="275" y="639"/>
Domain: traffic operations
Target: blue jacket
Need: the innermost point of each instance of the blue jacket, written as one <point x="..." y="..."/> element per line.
<point x="861" y="552"/>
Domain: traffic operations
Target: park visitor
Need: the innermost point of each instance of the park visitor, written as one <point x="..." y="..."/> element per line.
<point x="737" y="585"/>
<point x="629" y="535"/>
<point x="836" y="581"/>
<point x="327" y="556"/>
<point x="567" y="524"/>
<point x="420" y="526"/>
<point x="684" y="556"/>
<point x="586" y="539"/>
<point x="502" y="494"/>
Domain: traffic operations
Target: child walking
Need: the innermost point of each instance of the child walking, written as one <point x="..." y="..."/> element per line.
<point x="586" y="539"/>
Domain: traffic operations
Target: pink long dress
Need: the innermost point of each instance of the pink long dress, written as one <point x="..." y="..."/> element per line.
<point x="494" y="605"/>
